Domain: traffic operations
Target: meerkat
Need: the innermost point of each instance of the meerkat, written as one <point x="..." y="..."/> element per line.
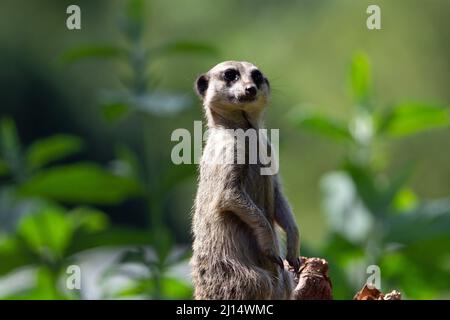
<point x="236" y="253"/>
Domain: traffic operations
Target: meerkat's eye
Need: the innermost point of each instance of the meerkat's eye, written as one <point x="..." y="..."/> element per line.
<point x="230" y="75"/>
<point x="257" y="77"/>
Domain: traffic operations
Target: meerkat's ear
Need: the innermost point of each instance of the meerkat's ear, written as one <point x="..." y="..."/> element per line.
<point x="267" y="82"/>
<point x="201" y="85"/>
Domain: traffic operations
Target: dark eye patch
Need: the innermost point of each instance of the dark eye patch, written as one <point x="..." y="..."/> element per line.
<point x="257" y="77"/>
<point x="231" y="75"/>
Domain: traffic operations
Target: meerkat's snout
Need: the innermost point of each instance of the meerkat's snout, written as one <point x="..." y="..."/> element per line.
<point x="250" y="91"/>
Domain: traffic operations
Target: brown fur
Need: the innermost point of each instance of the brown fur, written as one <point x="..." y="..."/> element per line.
<point x="236" y="251"/>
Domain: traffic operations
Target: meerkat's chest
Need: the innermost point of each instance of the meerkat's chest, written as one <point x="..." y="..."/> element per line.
<point x="224" y="151"/>
<point x="260" y="188"/>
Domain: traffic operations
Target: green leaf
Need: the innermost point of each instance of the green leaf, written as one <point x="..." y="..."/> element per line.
<point x="397" y="183"/>
<point x="91" y="51"/>
<point x="430" y="220"/>
<point x="409" y="118"/>
<point x="114" y="111"/>
<point x="378" y="197"/>
<point x="89" y="219"/>
<point x="405" y="200"/>
<point x="360" y="78"/>
<point x="322" y="125"/>
<point x="44" y="287"/>
<point x="173" y="288"/>
<point x="186" y="47"/>
<point x="111" y="237"/>
<point x="47" y="232"/>
<point x="140" y="289"/>
<point x="51" y="149"/>
<point x="12" y="255"/>
<point x="81" y="183"/>
<point x="422" y="281"/>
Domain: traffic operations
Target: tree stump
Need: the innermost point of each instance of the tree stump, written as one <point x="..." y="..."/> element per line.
<point x="313" y="283"/>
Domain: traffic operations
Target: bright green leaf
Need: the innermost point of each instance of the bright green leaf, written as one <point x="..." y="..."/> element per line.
<point x="81" y="183"/>
<point x="321" y="125"/>
<point x="360" y="78"/>
<point x="420" y="282"/>
<point x="47" y="232"/>
<point x="90" y="219"/>
<point x="173" y="288"/>
<point x="52" y="148"/>
<point x="405" y="200"/>
<point x="409" y="118"/>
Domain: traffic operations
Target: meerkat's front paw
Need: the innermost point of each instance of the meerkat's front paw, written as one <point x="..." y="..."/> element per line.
<point x="294" y="262"/>
<point x="275" y="258"/>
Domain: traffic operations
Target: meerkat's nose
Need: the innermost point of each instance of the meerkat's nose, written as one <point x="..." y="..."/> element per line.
<point x="250" y="90"/>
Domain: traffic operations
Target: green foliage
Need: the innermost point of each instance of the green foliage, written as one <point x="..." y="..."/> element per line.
<point x="47" y="150"/>
<point x="80" y="183"/>
<point x="46" y="232"/>
<point x="322" y="125"/>
<point x="374" y="218"/>
<point x="409" y="118"/>
<point x="130" y="176"/>
<point x="37" y="231"/>
<point x="360" y="79"/>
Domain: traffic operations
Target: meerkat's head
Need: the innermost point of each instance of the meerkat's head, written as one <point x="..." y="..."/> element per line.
<point x="233" y="85"/>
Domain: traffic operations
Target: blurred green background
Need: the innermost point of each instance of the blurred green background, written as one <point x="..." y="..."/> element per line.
<point x="86" y="117"/>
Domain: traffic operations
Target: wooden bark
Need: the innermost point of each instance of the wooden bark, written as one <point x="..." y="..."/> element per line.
<point x="313" y="283"/>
